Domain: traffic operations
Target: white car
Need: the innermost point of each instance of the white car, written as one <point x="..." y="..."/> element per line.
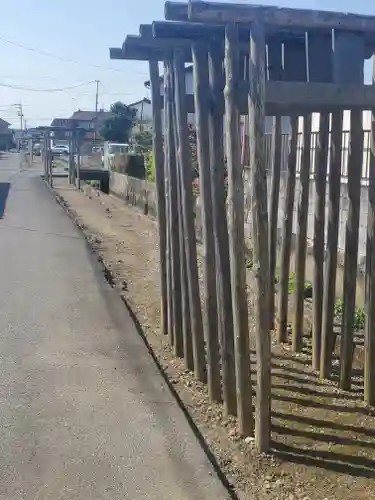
<point x="60" y="150"/>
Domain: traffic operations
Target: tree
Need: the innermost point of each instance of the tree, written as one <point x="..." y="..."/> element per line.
<point x="143" y="142"/>
<point x="118" y="127"/>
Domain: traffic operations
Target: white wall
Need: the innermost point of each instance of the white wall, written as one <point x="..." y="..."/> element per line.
<point x="144" y="111"/>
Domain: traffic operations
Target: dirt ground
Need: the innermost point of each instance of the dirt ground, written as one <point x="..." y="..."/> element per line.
<point x="323" y="438"/>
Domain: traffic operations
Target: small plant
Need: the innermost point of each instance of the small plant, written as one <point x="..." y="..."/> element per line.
<point x="292" y="283"/>
<point x="308" y="290"/>
<point x="359" y="314"/>
<point x="359" y="319"/>
<point x="339" y="308"/>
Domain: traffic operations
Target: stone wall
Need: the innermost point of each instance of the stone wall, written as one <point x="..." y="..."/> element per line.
<point x="136" y="192"/>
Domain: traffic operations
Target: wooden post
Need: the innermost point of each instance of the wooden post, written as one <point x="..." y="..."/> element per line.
<point x="49" y="159"/>
<point x="369" y="371"/>
<point x="351" y="247"/>
<point x="224" y="293"/>
<point x="78" y="165"/>
<point x="186" y="322"/>
<point x="50" y="167"/>
<point x="210" y="323"/>
<point x="274" y="211"/>
<point x="185" y="306"/>
<point x="188" y="219"/>
<point x="329" y="294"/>
<point x="167" y="205"/>
<point x="174" y="220"/>
<point x="237" y="236"/>
<point x="157" y="149"/>
<point x="287" y="234"/>
<point x="44" y="156"/>
<point x="71" y="157"/>
<point x="261" y="261"/>
<point x="303" y="210"/>
<point x="318" y="248"/>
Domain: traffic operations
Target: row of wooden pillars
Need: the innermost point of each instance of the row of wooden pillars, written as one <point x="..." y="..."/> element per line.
<point x="212" y="335"/>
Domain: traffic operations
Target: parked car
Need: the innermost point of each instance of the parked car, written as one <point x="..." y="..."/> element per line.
<point x="37" y="148"/>
<point x="60" y="149"/>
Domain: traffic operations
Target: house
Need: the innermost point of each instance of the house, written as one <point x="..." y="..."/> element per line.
<point x="6" y="135"/>
<point x="143" y="109"/>
<point x="61" y="136"/>
<point x="90" y="120"/>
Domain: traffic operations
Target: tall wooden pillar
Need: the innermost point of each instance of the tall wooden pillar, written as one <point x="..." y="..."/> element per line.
<point x="348" y="60"/>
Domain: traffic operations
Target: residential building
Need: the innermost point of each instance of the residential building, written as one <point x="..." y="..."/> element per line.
<point x="90" y="120"/>
<point x="144" y="115"/>
<point x="6" y="136"/>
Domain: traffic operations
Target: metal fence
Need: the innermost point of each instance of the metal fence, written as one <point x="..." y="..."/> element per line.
<point x="285" y="141"/>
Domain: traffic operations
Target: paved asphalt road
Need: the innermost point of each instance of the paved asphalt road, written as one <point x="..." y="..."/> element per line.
<point x="84" y="412"/>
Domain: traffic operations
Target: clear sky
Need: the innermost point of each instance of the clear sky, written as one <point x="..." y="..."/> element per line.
<point x="83" y="30"/>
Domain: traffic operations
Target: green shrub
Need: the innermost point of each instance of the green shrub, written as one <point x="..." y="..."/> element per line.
<point x="150" y="166"/>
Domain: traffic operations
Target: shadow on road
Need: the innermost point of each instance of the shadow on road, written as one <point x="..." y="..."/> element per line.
<point x="4" y="192"/>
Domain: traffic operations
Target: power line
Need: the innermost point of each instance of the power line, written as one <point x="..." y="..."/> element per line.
<point x="60" y="58"/>
<point x="31" y="89"/>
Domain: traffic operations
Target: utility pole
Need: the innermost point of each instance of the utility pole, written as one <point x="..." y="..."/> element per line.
<point x="96" y="109"/>
<point x="20" y="114"/>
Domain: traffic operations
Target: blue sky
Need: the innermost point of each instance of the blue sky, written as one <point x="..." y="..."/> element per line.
<point x="83" y="30"/>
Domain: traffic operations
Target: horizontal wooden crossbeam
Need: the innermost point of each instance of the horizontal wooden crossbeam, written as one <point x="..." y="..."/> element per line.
<point x="286" y="98"/>
<point x="216" y="12"/>
<point x="319" y="96"/>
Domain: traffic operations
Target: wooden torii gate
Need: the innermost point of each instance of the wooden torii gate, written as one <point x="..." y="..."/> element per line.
<point x="256" y="61"/>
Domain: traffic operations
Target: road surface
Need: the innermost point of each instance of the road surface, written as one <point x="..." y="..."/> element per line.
<point x="84" y="412"/>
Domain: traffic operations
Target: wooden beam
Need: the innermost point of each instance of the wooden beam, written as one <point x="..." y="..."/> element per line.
<point x="237" y="238"/>
<point x="321" y="160"/>
<point x="287" y="234"/>
<point x="216" y="12"/>
<point x="116" y="53"/>
<point x="319" y="96"/>
<point x="196" y="31"/>
<point x="157" y="145"/>
<point x="193" y="31"/>
<point x="260" y="217"/>
<point x="329" y="294"/>
<point x="369" y="352"/>
<point x="285" y="98"/>
<point x="201" y="90"/>
<point x="184" y="154"/>
<point x="168" y="207"/>
<point x="274" y="212"/>
<point x="224" y="291"/>
<point x="176" y="11"/>
<point x="135" y="54"/>
<point x="302" y="222"/>
<point x="145" y="30"/>
<point x="159" y="45"/>
<point x="351" y="249"/>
